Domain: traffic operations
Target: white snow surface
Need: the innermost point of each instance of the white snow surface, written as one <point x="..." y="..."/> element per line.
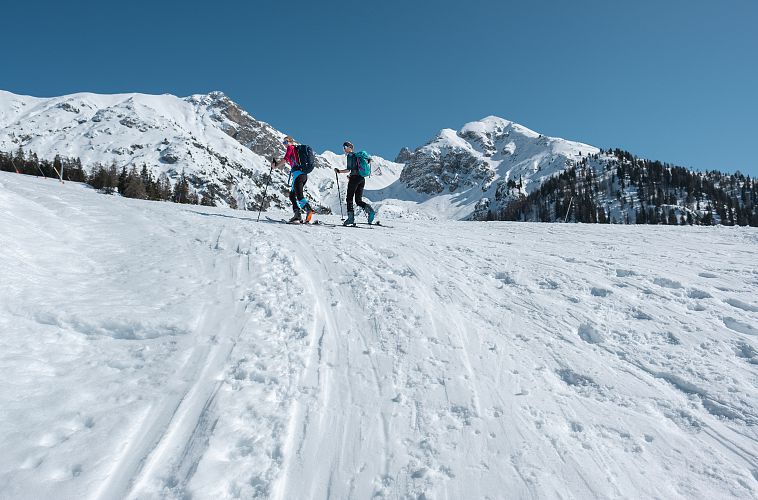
<point x="153" y="350"/>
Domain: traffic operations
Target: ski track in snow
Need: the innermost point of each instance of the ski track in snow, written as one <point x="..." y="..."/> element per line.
<point x="154" y="350"/>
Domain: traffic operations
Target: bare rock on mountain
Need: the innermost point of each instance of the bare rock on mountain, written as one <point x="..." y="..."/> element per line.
<point x="487" y="163"/>
<point x="403" y="156"/>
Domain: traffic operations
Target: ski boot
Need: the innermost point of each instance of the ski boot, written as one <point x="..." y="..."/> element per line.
<point x="309" y="213"/>
<point x="295" y="219"/>
<point x="371" y="215"/>
<point x="350" y="221"/>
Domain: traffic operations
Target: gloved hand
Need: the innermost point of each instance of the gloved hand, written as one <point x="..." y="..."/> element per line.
<point x="336" y="170"/>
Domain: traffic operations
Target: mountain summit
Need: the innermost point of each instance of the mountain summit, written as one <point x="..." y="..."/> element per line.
<point x="492" y="159"/>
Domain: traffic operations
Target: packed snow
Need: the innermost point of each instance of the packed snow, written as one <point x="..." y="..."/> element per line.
<point x="153" y="350"/>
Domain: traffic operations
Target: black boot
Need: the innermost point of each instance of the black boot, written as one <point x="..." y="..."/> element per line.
<point x="296" y="219"/>
<point x="350" y="219"/>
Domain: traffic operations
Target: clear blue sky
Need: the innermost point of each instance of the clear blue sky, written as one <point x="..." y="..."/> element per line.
<point x="675" y="80"/>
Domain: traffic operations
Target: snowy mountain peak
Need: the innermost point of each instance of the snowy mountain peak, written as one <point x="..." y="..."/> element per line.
<point x="486" y="126"/>
<point x="488" y="162"/>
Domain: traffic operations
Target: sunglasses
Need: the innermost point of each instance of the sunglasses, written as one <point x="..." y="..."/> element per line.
<point x="285" y="142"/>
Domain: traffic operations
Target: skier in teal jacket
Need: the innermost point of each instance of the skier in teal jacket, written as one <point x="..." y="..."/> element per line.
<point x="356" y="183"/>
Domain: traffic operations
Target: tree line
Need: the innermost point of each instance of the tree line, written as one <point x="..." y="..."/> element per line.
<point x="130" y="183"/>
<point x="617" y="187"/>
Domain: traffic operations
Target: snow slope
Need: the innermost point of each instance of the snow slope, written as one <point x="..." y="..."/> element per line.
<point x="153" y="350"/>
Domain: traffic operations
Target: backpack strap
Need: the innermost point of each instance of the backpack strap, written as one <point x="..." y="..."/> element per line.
<point x="298" y="163"/>
<point x="352" y="158"/>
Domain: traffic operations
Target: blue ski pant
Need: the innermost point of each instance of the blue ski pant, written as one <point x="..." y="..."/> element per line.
<point x="297" y="197"/>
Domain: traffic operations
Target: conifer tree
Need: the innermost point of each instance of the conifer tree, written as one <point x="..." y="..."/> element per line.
<point x="134" y="187"/>
<point x="164" y="187"/>
<point x="111" y="179"/>
<point x="209" y="197"/>
<point x="181" y="190"/>
<point x="122" y="180"/>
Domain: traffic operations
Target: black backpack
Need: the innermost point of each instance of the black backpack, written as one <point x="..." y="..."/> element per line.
<point x="305" y="157"/>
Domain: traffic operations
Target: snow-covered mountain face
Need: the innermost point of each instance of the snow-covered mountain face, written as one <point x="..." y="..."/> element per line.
<point x="476" y="163"/>
<point x="219" y="146"/>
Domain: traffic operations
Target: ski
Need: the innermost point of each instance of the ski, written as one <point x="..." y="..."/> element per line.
<point x="374" y="224"/>
<point x="269" y="220"/>
<point x="319" y="223"/>
<point x="283" y="221"/>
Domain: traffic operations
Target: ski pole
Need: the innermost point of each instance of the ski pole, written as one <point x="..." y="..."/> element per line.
<point x="336" y="176"/>
<point x="569" y="209"/>
<point x="260" y="206"/>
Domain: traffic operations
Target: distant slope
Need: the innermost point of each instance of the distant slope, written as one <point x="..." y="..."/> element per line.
<point x="617" y="187"/>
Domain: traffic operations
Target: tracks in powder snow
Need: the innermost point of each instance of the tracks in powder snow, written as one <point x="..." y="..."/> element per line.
<point x="400" y="381"/>
<point x="415" y="373"/>
<point x="167" y="444"/>
<point x="329" y="419"/>
<point x="243" y="360"/>
<point x="377" y="366"/>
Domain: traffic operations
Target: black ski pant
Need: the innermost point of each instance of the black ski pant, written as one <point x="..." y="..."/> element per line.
<point x="296" y="193"/>
<point x="355" y="186"/>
